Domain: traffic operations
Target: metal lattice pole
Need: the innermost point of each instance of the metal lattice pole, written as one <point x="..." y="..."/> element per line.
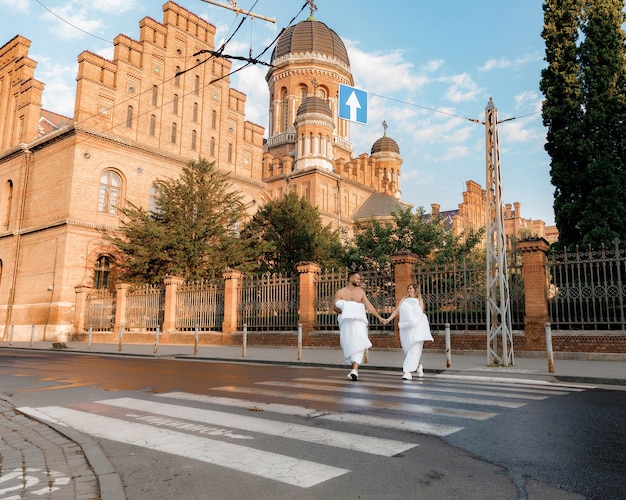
<point x="497" y="300"/>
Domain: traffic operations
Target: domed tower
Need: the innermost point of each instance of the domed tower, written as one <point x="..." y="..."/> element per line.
<point x="309" y="60"/>
<point x="314" y="132"/>
<point x="387" y="155"/>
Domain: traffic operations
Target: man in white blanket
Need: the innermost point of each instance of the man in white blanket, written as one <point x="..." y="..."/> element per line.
<point x="351" y="303"/>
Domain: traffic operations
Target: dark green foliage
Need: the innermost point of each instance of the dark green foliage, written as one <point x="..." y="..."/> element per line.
<point x="375" y="241"/>
<point x="585" y="112"/>
<point x="288" y="231"/>
<point x="190" y="232"/>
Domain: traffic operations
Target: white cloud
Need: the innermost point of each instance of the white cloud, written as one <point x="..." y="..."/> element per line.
<point x="68" y="24"/>
<point x="16" y="5"/>
<point x="463" y="88"/>
<point x="58" y="96"/>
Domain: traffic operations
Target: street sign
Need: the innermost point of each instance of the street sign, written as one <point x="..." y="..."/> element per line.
<point x="352" y="104"/>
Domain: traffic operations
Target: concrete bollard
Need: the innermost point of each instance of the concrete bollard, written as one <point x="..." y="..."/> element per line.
<point x="195" y="340"/>
<point x="244" y="340"/>
<point x="119" y="345"/>
<point x="89" y="337"/>
<point x="548" y="329"/>
<point x="299" y="341"/>
<point x="448" y="347"/>
<point x="156" y="339"/>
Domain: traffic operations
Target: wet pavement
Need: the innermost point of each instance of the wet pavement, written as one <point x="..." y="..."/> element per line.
<point x="60" y="463"/>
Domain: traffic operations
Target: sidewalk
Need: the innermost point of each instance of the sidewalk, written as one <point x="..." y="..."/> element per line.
<point x="30" y="445"/>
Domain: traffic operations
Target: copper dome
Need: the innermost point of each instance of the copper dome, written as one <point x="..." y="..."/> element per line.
<point x="314" y="104"/>
<point x="311" y="36"/>
<point x="385" y="144"/>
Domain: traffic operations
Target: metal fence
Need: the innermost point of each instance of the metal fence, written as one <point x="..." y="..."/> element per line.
<point x="586" y="289"/>
<point x="269" y="303"/>
<point x="100" y="311"/>
<point x="455" y="293"/>
<point x="200" y="304"/>
<point x="379" y="287"/>
<point x="144" y="307"/>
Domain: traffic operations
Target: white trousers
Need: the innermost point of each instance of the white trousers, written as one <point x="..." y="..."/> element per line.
<point x="412" y="357"/>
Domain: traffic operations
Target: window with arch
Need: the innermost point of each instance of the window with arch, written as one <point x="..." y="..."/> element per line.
<point x="173" y="136"/>
<point x="129" y="116"/>
<point x="175" y="104"/>
<point x="212" y="147"/>
<point x="155" y="94"/>
<point x="285" y="110"/>
<point x="152" y="124"/>
<point x="177" y="76"/>
<point x="213" y="119"/>
<point x="195" y="112"/>
<point x="103" y="273"/>
<point x="110" y="192"/>
<point x="196" y="85"/>
<point x="7" y="197"/>
<point x="193" y="139"/>
<point x="303" y="91"/>
<point x="229" y="158"/>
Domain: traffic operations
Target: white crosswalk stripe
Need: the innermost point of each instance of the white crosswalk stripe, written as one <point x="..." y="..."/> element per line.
<point x="211" y="428"/>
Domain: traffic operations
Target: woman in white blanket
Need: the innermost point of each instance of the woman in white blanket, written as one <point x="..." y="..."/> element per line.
<point x="351" y="303"/>
<point x="414" y="330"/>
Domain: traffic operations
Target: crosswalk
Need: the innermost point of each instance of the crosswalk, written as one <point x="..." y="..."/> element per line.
<point x="228" y="426"/>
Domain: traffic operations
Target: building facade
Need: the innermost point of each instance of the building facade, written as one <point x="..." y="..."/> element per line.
<point x="162" y="101"/>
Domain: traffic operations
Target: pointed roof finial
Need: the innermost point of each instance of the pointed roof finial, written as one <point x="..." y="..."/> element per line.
<point x="384" y="128"/>
<point x="312" y="8"/>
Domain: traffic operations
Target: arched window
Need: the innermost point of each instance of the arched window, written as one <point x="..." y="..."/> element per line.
<point x="212" y="147"/>
<point x="285" y="111"/>
<point x="196" y="85"/>
<point x="175" y="104"/>
<point x="177" y="76"/>
<point x="230" y="153"/>
<point x="173" y="137"/>
<point x="213" y="119"/>
<point x="7" y="202"/>
<point x="110" y="192"/>
<point x="152" y="124"/>
<point x="193" y="139"/>
<point x="129" y="116"/>
<point x="195" y="112"/>
<point x="102" y="273"/>
<point x="155" y="93"/>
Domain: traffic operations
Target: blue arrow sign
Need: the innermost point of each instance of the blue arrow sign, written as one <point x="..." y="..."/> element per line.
<point x="352" y="104"/>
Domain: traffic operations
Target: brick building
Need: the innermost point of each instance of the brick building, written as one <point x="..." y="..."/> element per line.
<point x="142" y="116"/>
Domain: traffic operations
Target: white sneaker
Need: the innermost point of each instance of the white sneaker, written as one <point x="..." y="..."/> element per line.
<point x="353" y="375"/>
<point x="407" y="376"/>
<point x="420" y="370"/>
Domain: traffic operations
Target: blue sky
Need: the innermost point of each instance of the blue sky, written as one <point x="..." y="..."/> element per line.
<point x="429" y="69"/>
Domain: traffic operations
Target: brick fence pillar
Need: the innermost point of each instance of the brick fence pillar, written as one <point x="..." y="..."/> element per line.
<point x="121" y="296"/>
<point x="231" y="304"/>
<point x="308" y="272"/>
<point x="535" y="286"/>
<point x="171" y="284"/>
<point x="404" y="274"/>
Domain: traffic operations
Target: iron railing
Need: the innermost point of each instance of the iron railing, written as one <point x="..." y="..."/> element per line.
<point x="100" y="310"/>
<point x="200" y="304"/>
<point x="144" y="307"/>
<point x="586" y="289"/>
<point x="269" y="303"/>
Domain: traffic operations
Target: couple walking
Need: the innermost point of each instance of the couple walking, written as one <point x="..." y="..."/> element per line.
<point x="351" y="303"/>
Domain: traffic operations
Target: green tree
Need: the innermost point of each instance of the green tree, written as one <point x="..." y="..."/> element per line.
<point x="583" y="111"/>
<point x="287" y="231"/>
<point x="376" y="241"/>
<point x="190" y="232"/>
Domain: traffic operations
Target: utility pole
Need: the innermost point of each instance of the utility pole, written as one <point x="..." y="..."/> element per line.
<point x="498" y="299"/>
<point x="233" y="7"/>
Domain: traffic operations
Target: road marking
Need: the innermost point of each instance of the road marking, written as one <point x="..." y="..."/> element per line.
<point x="409" y="393"/>
<point x="387" y="423"/>
<point x="362" y="402"/>
<point x="348" y="441"/>
<point x="293" y="471"/>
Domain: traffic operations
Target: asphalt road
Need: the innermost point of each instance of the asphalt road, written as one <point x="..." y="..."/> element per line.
<point x="195" y="430"/>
